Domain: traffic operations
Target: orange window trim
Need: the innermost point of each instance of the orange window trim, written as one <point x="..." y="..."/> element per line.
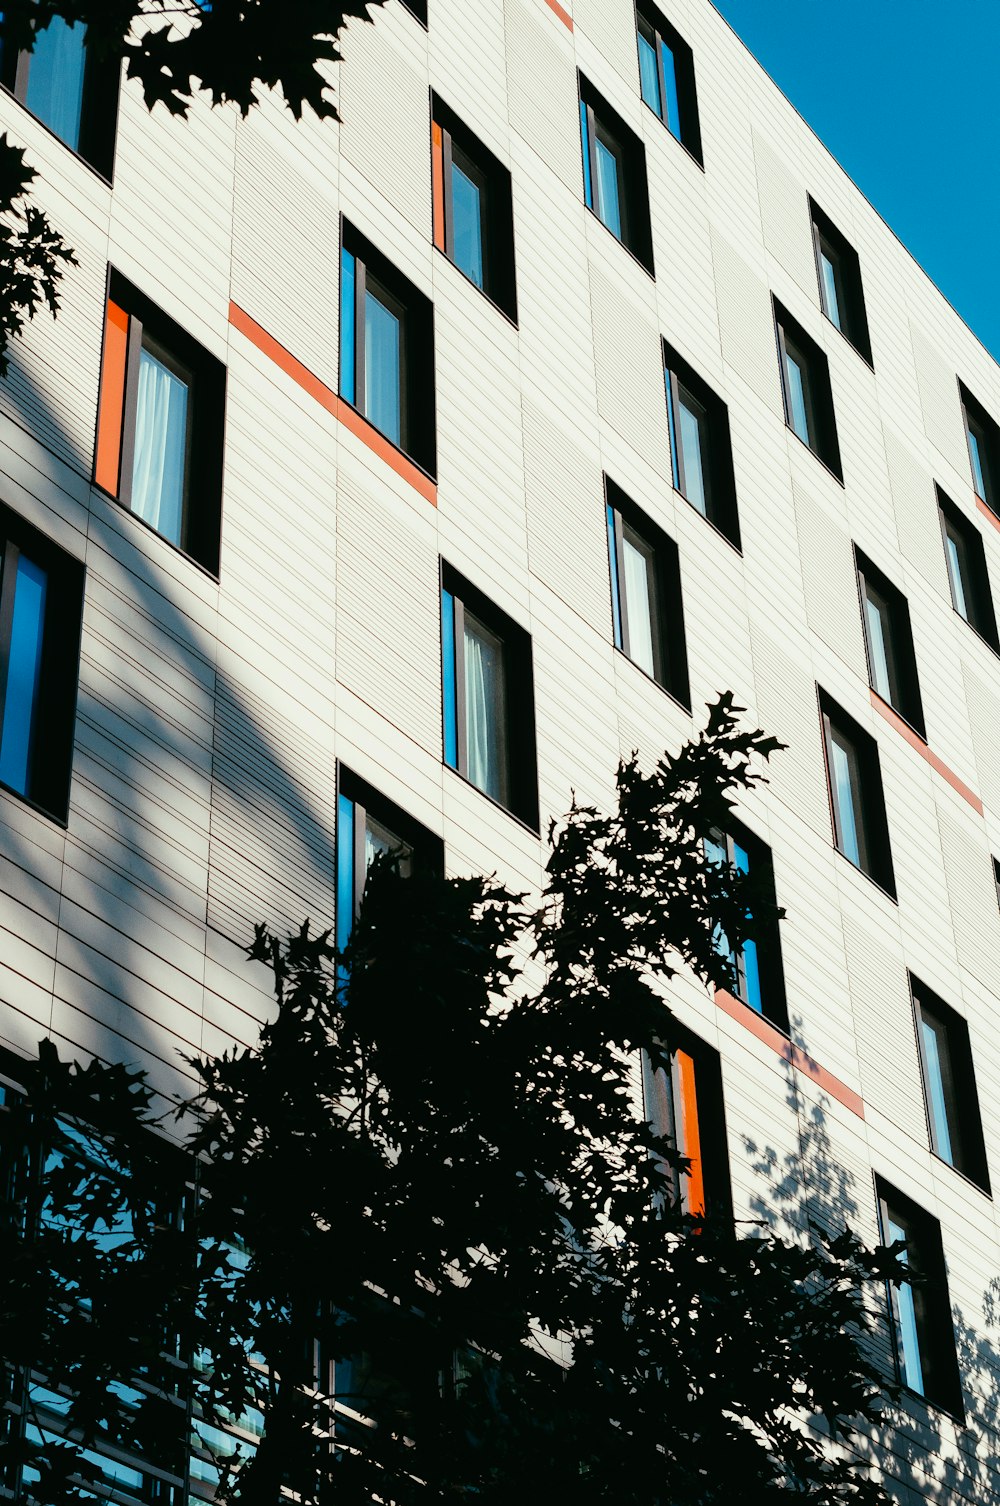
<point x="437" y="162"/>
<point x="111" y="406"/>
<point x="690" y="1132"/>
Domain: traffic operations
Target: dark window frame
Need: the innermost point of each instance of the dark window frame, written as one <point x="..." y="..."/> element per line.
<point x="496" y="207"/>
<point x="418" y="10"/>
<point x="979" y="613"/>
<point x="960" y="1093"/>
<point x="670" y="671"/>
<point x="660" y="30"/>
<point x="51" y="756"/>
<point x="873" y="834"/>
<point x="417" y="415"/>
<point x="633" y="182"/>
<point x="900" y="644"/>
<point x="711" y="1113"/>
<point x="98" y="109"/>
<point x="770" y="967"/>
<point x="722" y="509"/>
<point x="818" y="391"/>
<point x="932" y="1305"/>
<point x="981" y="426"/>
<point x="847" y="276"/>
<point x="519" y="696"/>
<point x="426" y="849"/>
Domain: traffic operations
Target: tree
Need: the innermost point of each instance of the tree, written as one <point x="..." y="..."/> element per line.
<point x="230" y="49"/>
<point x="433" y="1171"/>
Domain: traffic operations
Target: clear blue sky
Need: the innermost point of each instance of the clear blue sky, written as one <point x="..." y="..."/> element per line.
<point x="906" y="95"/>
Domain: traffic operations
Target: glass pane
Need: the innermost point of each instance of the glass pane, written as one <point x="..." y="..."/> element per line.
<point x="935" y="1045"/>
<point x="55" y="79"/>
<point x="161" y="426"/>
<point x="885" y="678"/>
<point x="831" y="298"/>
<point x="648" y="77"/>
<point x="798" y="397"/>
<point x="616" y="613"/>
<point x="379" y="839"/>
<point x="670" y="83"/>
<point x="20" y="709"/>
<point x="846" y="797"/>
<point x="485" y="710"/>
<point x="955" y="555"/>
<point x="905" y="1315"/>
<point x="448" y="689"/>
<point x="692" y="439"/>
<point x="640" y="599"/>
<point x="345" y="869"/>
<point x="717" y="852"/>
<point x="978" y="467"/>
<point x="347" y="347"/>
<point x="588" y="187"/>
<point x="468" y="214"/>
<point x="382" y="369"/>
<point x="608" y="205"/>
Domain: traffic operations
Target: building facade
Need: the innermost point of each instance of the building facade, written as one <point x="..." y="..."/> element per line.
<point x="383" y="483"/>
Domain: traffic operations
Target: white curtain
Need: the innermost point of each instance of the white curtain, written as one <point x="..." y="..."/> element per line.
<point x="55" y="79"/>
<point x="160" y="448"/>
<point x="484" y="710"/>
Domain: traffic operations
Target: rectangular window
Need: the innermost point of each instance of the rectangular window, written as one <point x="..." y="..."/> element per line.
<point x="369" y="825"/>
<point x="892" y="664"/>
<point x="488" y="698"/>
<point x="41" y="608"/>
<point x="840" y="289"/>
<point x="473" y="208"/>
<point x="923" y="1337"/>
<point x="160" y="424"/>
<point x="857" y="805"/>
<point x="666" y="77"/>
<point x="758" y="973"/>
<point x="647" y="615"/>
<point x="69" y="88"/>
<point x="614" y="174"/>
<point x="684" y="1106"/>
<point x="387" y="350"/>
<point x="968" y="576"/>
<point x="950" y="1097"/>
<point x="701" y="451"/>
<point x="983" y="436"/>
<point x="806" y="390"/>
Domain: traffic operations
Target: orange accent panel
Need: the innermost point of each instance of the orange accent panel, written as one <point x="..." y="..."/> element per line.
<point x="111" y="405"/>
<point x="563" y="15"/>
<point x="325" y="395"/>
<point x="691" y="1133"/>
<point x="895" y="720"/>
<point x="988" y="512"/>
<point x="437" y="183"/>
<point x="783" y="1047"/>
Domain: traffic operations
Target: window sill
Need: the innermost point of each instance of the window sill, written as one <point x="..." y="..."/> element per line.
<point x="84" y="161"/>
<point x="684" y="148"/>
<point x="916" y="741"/>
<point x="985" y="1192"/>
<point x="817" y="456"/>
<point x="987" y="511"/>
<point x="534" y="831"/>
<point x="928" y="1403"/>
<point x="174" y="548"/>
<point x="994" y="648"/>
<point x="504" y="314"/>
<point x="652" y="680"/>
<point x="737" y="548"/>
<point x="885" y="708"/>
<point x="868" y="877"/>
<point x="619" y="242"/>
<point x="848" y="341"/>
<point x="782" y="1045"/>
<point x="40" y="810"/>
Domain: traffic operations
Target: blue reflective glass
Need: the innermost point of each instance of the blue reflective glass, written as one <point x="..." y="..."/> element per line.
<point x="382" y="368"/>
<point x="448" y="679"/>
<point x="345" y="869"/>
<point x="905" y="1313"/>
<point x="937" y="1107"/>
<point x="799" y="416"/>
<point x="468" y="227"/>
<point x="649" y="79"/>
<point x="844" y="796"/>
<point x="978" y="469"/>
<point x="670" y="84"/>
<point x="674" y="452"/>
<point x="347" y="297"/>
<point x="55" y="79"/>
<point x="691" y="438"/>
<point x="831" y="298"/>
<point x="751" y="964"/>
<point x="20" y="708"/>
<point x="588" y="187"/>
<point x="616" y="612"/>
<point x="608" y="202"/>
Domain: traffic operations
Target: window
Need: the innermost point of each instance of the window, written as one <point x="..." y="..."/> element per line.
<point x="701" y="451"/>
<point x="614" y="174"/>
<point x="950" y="1097"/>
<point x="160" y="424"/>
<point x="489" y="715"/>
<point x="473" y="209"/>
<point x="41" y="608"/>
<point x="996" y="878"/>
<point x="857" y="806"/>
<point x="417" y="8"/>
<point x="367" y="826"/>
<point x="892" y="665"/>
<point x="646" y="610"/>
<point x="69" y="88"/>
<point x="387" y="350"/>
<point x="666" y="77"/>
<point x="806" y="390"/>
<point x="983" y="436"/>
<point x="968" y="576"/>
<point x="920" y="1315"/>
<point x="840" y="291"/>
<point x="759" y="976"/>
<point x="684" y="1106"/>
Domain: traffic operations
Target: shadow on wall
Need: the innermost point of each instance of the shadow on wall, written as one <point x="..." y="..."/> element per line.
<point x="923" y="1454"/>
<point x="174" y="757"/>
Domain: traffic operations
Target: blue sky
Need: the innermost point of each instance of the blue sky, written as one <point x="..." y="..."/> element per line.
<point x="905" y="95"/>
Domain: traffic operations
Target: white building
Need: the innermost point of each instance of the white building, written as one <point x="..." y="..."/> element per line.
<point x="324" y="402"/>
